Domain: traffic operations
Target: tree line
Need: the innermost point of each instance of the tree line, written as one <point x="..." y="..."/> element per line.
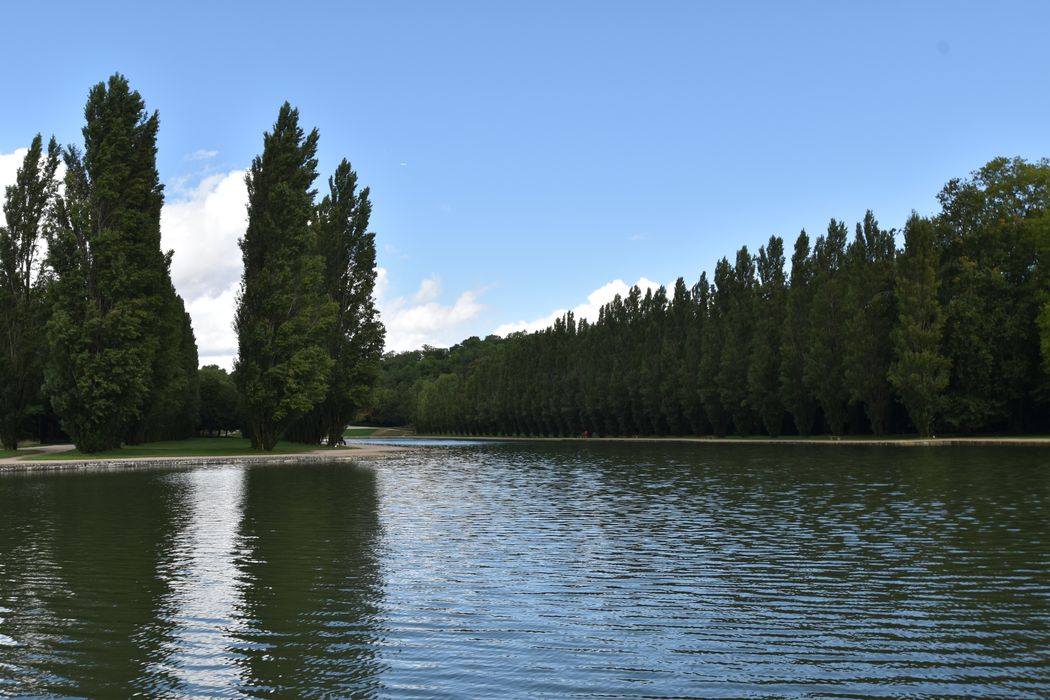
<point x="949" y="332"/>
<point x="94" y="337"/>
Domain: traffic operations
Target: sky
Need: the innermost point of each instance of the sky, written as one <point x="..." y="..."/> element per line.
<point x="529" y="158"/>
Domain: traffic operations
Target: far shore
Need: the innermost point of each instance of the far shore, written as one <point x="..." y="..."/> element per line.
<point x="866" y="441"/>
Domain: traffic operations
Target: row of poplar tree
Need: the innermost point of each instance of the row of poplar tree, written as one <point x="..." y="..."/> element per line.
<point x="945" y="333"/>
<point x="92" y="330"/>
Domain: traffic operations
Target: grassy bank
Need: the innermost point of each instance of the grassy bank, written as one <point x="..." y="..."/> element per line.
<point x="377" y="432"/>
<point x="194" y="447"/>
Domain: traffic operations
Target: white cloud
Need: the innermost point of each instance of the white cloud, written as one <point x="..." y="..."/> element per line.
<point x="202" y="154"/>
<point x="202" y="226"/>
<point x="588" y="309"/>
<point x="213" y="327"/>
<point x="423" y="320"/>
<point x="429" y="290"/>
<point x="9" y="165"/>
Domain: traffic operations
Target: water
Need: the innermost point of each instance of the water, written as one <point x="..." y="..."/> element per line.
<point x="516" y="570"/>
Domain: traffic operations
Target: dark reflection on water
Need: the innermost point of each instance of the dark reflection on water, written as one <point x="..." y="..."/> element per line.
<point x="209" y="582"/>
<point x="537" y="570"/>
<point x="309" y="581"/>
<point x="81" y="584"/>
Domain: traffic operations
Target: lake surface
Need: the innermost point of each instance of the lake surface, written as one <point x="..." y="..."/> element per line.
<point x="536" y="570"/>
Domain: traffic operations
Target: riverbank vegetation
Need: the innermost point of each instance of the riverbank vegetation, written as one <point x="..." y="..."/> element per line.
<point x="94" y="338"/>
<point x="949" y="331"/>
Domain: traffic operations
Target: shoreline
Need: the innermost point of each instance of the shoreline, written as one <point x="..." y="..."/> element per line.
<point x="768" y="442"/>
<point x="348" y="454"/>
<point x="363" y="450"/>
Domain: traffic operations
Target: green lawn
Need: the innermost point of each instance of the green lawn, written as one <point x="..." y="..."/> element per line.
<point x="376" y="432"/>
<point x="8" y="453"/>
<point x="194" y="447"/>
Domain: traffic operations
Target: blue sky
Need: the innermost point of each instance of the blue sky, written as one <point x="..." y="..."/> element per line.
<point x="524" y="156"/>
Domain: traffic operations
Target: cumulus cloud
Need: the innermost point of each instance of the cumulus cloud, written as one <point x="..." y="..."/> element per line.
<point x="213" y="327"/>
<point x="202" y="225"/>
<point x="588" y="309"/>
<point x="423" y="319"/>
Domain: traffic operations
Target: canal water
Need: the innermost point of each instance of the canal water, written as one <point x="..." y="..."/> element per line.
<point x="536" y="570"/>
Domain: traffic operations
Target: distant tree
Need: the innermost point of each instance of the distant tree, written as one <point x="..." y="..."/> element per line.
<point x="868" y="343"/>
<point x="763" y="378"/>
<point x="219" y="403"/>
<point x="823" y="373"/>
<point x="991" y="229"/>
<point x="689" y="372"/>
<point x="22" y="288"/>
<point x="283" y="315"/>
<point x="794" y="393"/>
<point x="857" y="328"/>
<point x="919" y="371"/>
<point x="675" y="390"/>
<point x="736" y="348"/>
<point x="111" y="278"/>
<point x="712" y="348"/>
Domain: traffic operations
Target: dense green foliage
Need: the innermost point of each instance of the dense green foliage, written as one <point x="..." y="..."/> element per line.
<point x="308" y="335"/>
<point x="355" y="339"/>
<point x="219" y="403"/>
<point x="95" y="336"/>
<point x="920" y="371"/>
<point x="282" y="312"/>
<point x="22" y="289"/>
<point x="120" y="345"/>
<point x="943" y="334"/>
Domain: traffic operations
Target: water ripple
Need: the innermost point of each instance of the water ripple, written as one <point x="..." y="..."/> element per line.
<point x="479" y="570"/>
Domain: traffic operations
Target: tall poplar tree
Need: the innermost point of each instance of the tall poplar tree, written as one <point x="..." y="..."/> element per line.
<point x="794" y="343"/>
<point x="919" y="371"/>
<point x="22" y="339"/>
<point x="736" y="348"/>
<point x="111" y="277"/>
<point x="713" y="344"/>
<point x="763" y="377"/>
<point x="355" y="339"/>
<point x="283" y="315"/>
<point x="823" y="373"/>
<point x="869" y="297"/>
